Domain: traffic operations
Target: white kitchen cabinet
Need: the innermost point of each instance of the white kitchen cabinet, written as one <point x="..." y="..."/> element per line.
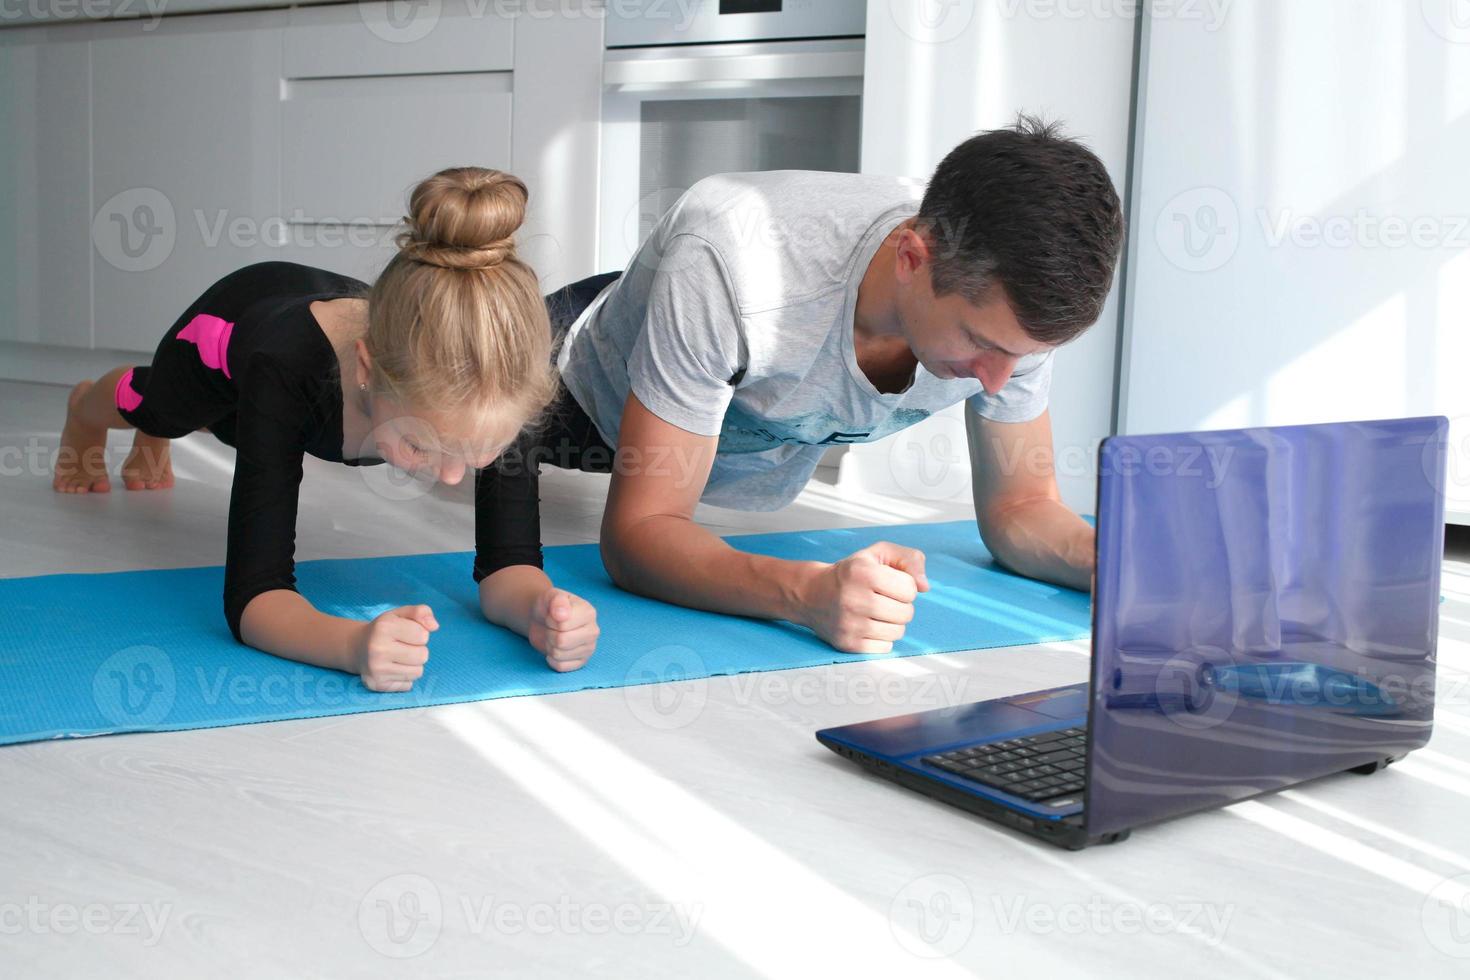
<point x="45" y="218"/>
<point x="186" y="148"/>
<point x="374" y="98"/>
<point x="934" y="75"/>
<point x="146" y="159"/>
<point x="355" y="147"/>
<point x="398" y="38"/>
<point x="556" y="140"/>
<point x="371" y="106"/>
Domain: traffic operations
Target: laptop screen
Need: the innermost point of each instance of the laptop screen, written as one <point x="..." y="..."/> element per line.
<point x="1266" y="610"/>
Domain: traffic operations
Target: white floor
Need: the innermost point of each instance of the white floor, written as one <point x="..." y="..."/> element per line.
<point x="589" y="835"/>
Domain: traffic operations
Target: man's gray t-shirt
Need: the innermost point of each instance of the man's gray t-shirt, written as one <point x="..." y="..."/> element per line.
<point x="735" y="318"/>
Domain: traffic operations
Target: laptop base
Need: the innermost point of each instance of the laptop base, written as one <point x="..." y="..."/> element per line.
<point x="1067" y="832"/>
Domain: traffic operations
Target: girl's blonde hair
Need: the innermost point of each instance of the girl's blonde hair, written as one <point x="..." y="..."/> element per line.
<point x="456" y="322"/>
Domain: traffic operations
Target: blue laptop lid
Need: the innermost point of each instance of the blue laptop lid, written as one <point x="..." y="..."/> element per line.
<point x="1266" y="610"/>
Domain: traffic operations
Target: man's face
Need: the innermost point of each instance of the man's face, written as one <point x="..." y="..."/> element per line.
<point x="952" y="337"/>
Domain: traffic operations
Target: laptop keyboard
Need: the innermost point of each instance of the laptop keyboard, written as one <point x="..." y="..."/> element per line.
<point x="1034" y="767"/>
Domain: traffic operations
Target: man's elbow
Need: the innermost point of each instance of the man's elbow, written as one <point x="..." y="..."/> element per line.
<point x="614" y="544"/>
<point x="993" y="538"/>
<point x="999" y="524"/>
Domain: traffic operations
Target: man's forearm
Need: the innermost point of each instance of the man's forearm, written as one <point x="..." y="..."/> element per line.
<point x="676" y="560"/>
<point x="1043" y="539"/>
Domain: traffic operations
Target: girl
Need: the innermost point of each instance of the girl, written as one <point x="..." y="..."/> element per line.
<point x="435" y="369"/>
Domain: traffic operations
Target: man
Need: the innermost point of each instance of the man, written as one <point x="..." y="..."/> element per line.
<point x="771" y="315"/>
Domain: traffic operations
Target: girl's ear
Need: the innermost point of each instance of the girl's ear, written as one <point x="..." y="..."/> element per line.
<point x="364" y="363"/>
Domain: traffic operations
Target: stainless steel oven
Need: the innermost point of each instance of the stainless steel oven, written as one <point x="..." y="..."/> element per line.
<point x="698" y="87"/>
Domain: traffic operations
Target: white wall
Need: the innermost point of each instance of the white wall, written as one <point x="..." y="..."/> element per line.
<point x="1302" y="245"/>
<point x="937" y="71"/>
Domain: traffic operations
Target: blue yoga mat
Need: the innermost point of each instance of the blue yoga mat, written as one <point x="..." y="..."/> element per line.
<point x="149" y="651"/>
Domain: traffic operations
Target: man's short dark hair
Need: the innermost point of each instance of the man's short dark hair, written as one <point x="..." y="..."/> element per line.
<point x="1032" y="211"/>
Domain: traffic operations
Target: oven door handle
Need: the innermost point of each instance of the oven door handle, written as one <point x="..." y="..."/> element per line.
<point x="776" y="66"/>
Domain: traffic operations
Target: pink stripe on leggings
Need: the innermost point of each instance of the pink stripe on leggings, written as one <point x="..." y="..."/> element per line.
<point x="126" y="398"/>
<point x="212" y="336"/>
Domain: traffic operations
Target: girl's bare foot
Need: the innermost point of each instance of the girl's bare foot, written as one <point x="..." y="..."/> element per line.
<point x="148" y="466"/>
<point x="81" y="463"/>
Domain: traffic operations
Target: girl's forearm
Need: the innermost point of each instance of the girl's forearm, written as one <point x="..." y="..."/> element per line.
<point x="508" y="596"/>
<point x="283" y="623"/>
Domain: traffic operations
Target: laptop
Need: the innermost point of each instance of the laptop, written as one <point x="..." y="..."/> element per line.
<point x="1265" y="612"/>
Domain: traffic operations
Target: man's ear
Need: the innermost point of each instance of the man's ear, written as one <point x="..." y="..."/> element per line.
<point x="364" y="363"/>
<point x="911" y="253"/>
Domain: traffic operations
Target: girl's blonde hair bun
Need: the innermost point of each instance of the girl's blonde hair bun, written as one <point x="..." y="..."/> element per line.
<point x="464" y="218"/>
<point x="456" y="321"/>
